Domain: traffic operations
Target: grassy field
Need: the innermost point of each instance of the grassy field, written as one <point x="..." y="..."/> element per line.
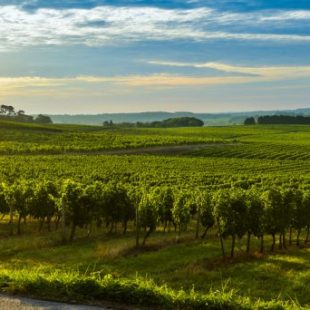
<point x="280" y="279"/>
<point x="187" y="274"/>
<point x="261" y="142"/>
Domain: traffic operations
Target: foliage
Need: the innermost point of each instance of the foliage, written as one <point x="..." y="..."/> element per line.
<point x="174" y="122"/>
<point x="284" y="119"/>
<point x="254" y="183"/>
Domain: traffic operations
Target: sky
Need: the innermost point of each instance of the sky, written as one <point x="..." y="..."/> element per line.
<point x="105" y="56"/>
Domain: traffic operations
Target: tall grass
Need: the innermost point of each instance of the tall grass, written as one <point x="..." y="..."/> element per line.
<point x="72" y="286"/>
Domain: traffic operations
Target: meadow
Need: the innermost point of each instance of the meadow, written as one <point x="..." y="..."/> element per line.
<point x="171" y="270"/>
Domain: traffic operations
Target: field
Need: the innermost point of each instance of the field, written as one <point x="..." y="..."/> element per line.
<point x="174" y="269"/>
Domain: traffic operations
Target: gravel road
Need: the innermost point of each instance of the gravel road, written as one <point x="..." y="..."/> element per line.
<point x="21" y="303"/>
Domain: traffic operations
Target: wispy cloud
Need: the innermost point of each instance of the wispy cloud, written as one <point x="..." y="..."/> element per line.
<point x="254" y="73"/>
<point x="22" y="85"/>
<point x="31" y="86"/>
<point x="114" y="25"/>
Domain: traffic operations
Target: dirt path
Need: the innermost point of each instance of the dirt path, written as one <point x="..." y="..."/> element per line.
<point x="21" y="303"/>
<point x="155" y="150"/>
<point x="165" y="150"/>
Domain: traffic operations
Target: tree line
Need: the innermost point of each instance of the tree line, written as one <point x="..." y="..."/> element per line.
<point x="8" y="112"/>
<point x="234" y="213"/>
<point x="167" y="123"/>
<point x="278" y="119"/>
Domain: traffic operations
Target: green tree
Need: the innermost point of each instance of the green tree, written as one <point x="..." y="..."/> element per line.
<point x="77" y="207"/>
<point x="255" y="218"/>
<point x="4" y="206"/>
<point x="293" y="203"/>
<point x="249" y="121"/>
<point x="220" y="201"/>
<point x="164" y="200"/>
<point x="148" y="215"/>
<point x="19" y="198"/>
<point x="273" y="204"/>
<point x="43" y="204"/>
<point x="135" y="196"/>
<point x="231" y="212"/>
<point x="306" y="214"/>
<point x="204" y="214"/>
<point x="181" y="212"/>
<point x="43" y="119"/>
<point x="117" y="205"/>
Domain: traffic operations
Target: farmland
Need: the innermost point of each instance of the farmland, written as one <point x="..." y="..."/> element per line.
<point x="173" y="267"/>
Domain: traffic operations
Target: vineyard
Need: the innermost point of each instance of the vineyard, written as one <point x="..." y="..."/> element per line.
<point x="184" y="229"/>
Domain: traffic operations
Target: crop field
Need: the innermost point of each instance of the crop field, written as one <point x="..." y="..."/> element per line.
<point x="220" y="224"/>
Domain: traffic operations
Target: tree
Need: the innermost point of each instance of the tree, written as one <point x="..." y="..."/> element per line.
<point x="76" y="204"/>
<point x="255" y="218"/>
<point x="231" y="210"/>
<point x="117" y="206"/>
<point x="7" y="110"/>
<point x="200" y="204"/>
<point x="7" y="195"/>
<point x="293" y="203"/>
<point x="220" y="200"/>
<point x="4" y="206"/>
<point x="306" y="214"/>
<point x="43" y="119"/>
<point x="193" y="204"/>
<point x="44" y="203"/>
<point x="285" y="214"/>
<point x="20" y="195"/>
<point x="108" y="124"/>
<point x="249" y="121"/>
<point x="127" y="207"/>
<point x="148" y="215"/>
<point x="273" y="204"/>
<point x="181" y="212"/>
<point x="164" y="200"/>
<point x="174" y="122"/>
<point x="284" y="119"/>
<point x="135" y="198"/>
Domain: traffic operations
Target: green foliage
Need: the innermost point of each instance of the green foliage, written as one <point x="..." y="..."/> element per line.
<point x="255" y="213"/>
<point x="164" y="201"/>
<point x="76" y="206"/>
<point x="4" y="205"/>
<point x="148" y="214"/>
<point x="256" y="181"/>
<point x="174" y="122"/>
<point x="231" y="212"/>
<point x="44" y="200"/>
<point x="181" y="212"/>
<point x="205" y="210"/>
<point x="249" y="121"/>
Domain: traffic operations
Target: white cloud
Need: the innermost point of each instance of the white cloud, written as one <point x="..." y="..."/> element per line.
<point x="114" y="25"/>
<point x="273" y="71"/>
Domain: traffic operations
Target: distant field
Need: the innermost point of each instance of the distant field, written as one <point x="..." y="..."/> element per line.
<point x="186" y="274"/>
<point x="261" y="142"/>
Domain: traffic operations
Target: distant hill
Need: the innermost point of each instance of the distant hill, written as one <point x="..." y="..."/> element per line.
<point x="210" y="119"/>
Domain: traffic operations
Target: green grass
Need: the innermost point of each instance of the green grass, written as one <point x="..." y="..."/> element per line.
<point x="270" y="142"/>
<point x="168" y="273"/>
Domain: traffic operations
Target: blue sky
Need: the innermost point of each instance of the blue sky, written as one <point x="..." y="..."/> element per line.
<point x="126" y="56"/>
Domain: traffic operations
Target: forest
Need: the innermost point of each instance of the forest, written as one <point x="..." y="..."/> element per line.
<point x="279" y="119"/>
